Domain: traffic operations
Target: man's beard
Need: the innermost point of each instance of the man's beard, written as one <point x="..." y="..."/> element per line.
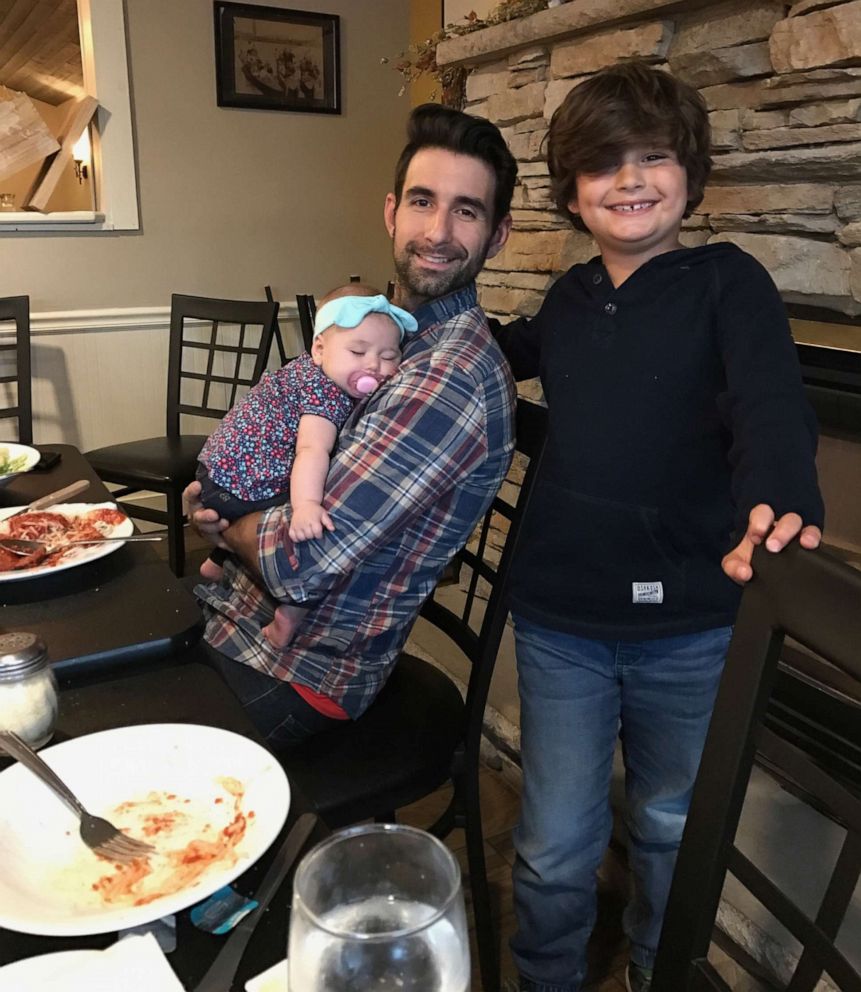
<point x="428" y="285"/>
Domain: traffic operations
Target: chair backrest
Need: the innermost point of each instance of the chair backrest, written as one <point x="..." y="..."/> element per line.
<point x="307" y="308"/>
<point x="15" y="388"/>
<point x="472" y="612"/>
<point x="218" y="350"/>
<point x="815" y="599"/>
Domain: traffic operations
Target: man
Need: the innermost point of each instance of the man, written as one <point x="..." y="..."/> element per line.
<point x="415" y="466"/>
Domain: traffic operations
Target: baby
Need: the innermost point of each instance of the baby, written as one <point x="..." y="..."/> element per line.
<point x="277" y="440"/>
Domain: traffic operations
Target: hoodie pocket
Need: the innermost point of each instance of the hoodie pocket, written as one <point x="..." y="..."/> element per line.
<point x="582" y="554"/>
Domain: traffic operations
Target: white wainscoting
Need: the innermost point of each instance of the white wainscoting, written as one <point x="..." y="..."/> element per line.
<point x="100" y="376"/>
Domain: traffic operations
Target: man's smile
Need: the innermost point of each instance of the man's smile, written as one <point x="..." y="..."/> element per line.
<point x="436" y="257"/>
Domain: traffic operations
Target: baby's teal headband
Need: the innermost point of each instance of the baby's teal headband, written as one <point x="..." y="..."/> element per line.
<point x="350" y="311"/>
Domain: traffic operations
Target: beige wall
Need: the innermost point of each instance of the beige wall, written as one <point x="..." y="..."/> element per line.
<point x="233" y="199"/>
<point x="425" y="21"/>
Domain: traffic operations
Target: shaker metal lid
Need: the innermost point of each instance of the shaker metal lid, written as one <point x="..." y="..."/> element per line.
<point x="21" y="653"/>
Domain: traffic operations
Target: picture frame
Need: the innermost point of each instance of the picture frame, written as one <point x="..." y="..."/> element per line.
<point x="272" y="58"/>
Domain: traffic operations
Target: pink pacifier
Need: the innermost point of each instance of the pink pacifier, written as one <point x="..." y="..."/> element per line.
<point x="366" y="384"/>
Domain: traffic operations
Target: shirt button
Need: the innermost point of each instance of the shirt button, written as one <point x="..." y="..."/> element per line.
<point x="597" y="279"/>
<point x="610" y="308"/>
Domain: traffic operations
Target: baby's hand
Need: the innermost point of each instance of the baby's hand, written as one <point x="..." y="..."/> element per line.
<point x="309" y="520"/>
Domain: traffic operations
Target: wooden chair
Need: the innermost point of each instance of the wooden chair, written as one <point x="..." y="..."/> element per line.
<point x="15" y="394"/>
<point x="419" y="732"/>
<point x="815" y="599"/>
<point x="218" y="350"/>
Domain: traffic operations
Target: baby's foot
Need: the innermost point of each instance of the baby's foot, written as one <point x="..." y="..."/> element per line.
<point x="284" y="625"/>
<point x="210" y="571"/>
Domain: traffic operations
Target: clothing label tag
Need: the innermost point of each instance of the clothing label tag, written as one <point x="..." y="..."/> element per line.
<point x="648" y="592"/>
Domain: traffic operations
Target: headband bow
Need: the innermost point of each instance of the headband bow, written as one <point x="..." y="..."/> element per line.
<point x="350" y="311"/>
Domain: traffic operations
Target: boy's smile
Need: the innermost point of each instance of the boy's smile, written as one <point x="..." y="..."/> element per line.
<point x="634" y="208"/>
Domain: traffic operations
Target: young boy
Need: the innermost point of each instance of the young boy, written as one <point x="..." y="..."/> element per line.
<point x="277" y="440"/>
<point x="678" y="428"/>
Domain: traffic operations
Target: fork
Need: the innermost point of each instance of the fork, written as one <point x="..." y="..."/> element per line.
<point x="20" y="546"/>
<point x="101" y="836"/>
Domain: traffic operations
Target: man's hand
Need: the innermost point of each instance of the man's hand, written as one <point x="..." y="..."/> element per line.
<point x="761" y="525"/>
<point x="206" y="522"/>
<point x="309" y="520"/>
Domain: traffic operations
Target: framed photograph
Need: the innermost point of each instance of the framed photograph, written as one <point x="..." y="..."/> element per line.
<point x="271" y="58"/>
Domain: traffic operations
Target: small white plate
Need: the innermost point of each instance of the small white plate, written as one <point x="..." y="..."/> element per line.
<point x="8" y="451"/>
<point x="46" y="885"/>
<point x="33" y="973"/>
<point x="75" y="556"/>
<point x="274" y="979"/>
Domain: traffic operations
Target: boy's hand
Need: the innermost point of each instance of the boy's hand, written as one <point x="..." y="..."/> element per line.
<point x="309" y="520"/>
<point x="206" y="522"/>
<point x="761" y="526"/>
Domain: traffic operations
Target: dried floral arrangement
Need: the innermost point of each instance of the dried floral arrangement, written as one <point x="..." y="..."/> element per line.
<point x="420" y="59"/>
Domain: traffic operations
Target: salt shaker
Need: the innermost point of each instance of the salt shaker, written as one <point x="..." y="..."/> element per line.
<point x="28" y="689"/>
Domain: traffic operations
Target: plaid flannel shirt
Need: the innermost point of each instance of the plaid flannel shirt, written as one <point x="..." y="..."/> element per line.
<point x="415" y="468"/>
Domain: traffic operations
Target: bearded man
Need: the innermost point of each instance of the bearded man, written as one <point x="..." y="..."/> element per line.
<point x="416" y="465"/>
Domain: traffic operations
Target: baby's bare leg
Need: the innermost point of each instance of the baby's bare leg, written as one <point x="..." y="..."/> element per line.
<point x="284" y="625"/>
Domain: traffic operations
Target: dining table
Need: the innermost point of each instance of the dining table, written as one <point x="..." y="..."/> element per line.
<point x="123" y="637"/>
<point x="118" y="610"/>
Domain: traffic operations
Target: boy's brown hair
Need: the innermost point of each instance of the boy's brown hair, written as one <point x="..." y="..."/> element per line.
<point x="624" y="105"/>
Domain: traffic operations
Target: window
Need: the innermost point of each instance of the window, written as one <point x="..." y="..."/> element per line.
<point x="105" y="66"/>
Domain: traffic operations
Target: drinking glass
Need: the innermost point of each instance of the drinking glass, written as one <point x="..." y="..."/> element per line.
<point x="378" y="907"/>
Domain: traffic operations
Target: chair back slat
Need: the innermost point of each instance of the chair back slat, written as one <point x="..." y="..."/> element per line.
<point x="307" y="308"/>
<point x="816" y="599"/>
<point x="215" y="334"/>
<point x="279" y="340"/>
<point x="15" y="320"/>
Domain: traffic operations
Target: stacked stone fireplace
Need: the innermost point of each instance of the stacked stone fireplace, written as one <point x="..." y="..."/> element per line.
<point x="783" y="86"/>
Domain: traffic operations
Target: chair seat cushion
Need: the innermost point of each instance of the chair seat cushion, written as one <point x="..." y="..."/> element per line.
<point x="399" y="750"/>
<point x="154" y="462"/>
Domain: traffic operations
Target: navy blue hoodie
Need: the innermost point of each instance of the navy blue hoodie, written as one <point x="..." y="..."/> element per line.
<point x="675" y="406"/>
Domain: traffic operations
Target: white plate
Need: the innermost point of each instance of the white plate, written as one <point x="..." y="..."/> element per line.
<point x="75" y="556"/>
<point x="32" y="973"/>
<point x="274" y="979"/>
<point x="47" y="877"/>
<point x="15" y="451"/>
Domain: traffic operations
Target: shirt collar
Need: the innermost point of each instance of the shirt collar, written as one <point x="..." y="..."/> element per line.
<point x="446" y="307"/>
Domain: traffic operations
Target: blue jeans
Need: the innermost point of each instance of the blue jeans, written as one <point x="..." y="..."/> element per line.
<point x="278" y="712"/>
<point x="575" y="693"/>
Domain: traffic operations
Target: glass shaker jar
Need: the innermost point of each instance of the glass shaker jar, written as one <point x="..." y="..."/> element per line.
<point x="28" y="689"/>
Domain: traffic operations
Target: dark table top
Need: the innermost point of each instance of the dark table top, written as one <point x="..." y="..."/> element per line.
<point x="118" y="610"/>
<point x="183" y="693"/>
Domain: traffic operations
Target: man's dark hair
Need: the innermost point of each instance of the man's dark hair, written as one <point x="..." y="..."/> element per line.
<point x="434" y="126"/>
<point x="618" y="108"/>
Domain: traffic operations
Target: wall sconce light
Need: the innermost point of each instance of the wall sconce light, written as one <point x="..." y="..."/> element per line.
<point x="81" y="155"/>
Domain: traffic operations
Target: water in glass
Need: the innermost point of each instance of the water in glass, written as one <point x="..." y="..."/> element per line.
<point x="378" y="907"/>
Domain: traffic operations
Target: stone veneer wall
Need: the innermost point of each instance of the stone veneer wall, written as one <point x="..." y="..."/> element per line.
<point x="783" y="86"/>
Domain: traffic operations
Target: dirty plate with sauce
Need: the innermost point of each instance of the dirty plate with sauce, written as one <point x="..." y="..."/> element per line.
<point x="210" y="801"/>
<point x="65" y="520"/>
